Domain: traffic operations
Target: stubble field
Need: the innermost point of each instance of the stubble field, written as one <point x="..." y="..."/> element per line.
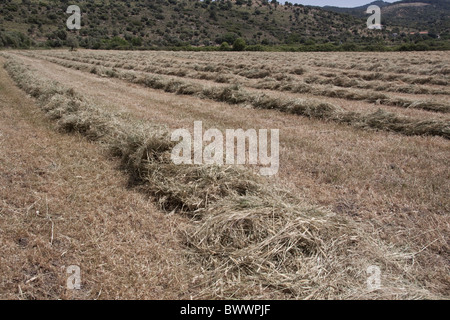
<point x="364" y="175"/>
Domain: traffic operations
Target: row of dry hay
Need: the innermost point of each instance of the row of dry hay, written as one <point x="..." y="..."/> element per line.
<point x="425" y="68"/>
<point x="387" y="65"/>
<point x="284" y="80"/>
<point x="297" y="64"/>
<point x="252" y="239"/>
<point x="379" y="120"/>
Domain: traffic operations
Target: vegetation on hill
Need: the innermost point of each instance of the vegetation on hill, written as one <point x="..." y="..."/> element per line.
<point x="190" y="24"/>
<point x="423" y="15"/>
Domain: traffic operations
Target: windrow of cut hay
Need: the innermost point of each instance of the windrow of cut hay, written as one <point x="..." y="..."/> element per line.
<point x="368" y="96"/>
<point x="271" y="83"/>
<point x="252" y="239"/>
<point x="386" y="86"/>
<point x="255" y="67"/>
<point x="223" y="74"/>
<point x="382" y="66"/>
<point x="379" y="120"/>
<point x="388" y="77"/>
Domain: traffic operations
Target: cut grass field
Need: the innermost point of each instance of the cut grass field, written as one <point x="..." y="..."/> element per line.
<point x="380" y="119"/>
<point x="357" y="196"/>
<point x="64" y="202"/>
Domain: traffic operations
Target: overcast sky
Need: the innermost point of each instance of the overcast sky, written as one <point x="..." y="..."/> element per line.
<point x="336" y="3"/>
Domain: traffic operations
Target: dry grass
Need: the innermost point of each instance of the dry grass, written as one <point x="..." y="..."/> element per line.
<point x="239" y="215"/>
<point x="252" y="239"/>
<point x="369" y="96"/>
<point x="63" y="202"/>
<point x="292" y="85"/>
<point x="342" y="80"/>
<point x="235" y="95"/>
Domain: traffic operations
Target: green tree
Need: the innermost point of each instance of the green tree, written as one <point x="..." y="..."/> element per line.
<point x="224" y="46"/>
<point x="239" y="44"/>
<point x="72" y="42"/>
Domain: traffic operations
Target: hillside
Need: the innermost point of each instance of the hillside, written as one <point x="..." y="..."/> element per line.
<point x="145" y="23"/>
<point x="357" y="11"/>
<point x="424" y="15"/>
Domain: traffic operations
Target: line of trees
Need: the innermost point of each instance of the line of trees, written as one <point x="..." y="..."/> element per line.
<point x="14" y="39"/>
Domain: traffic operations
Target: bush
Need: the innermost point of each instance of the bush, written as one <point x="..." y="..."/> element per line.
<point x="350" y="46"/>
<point x="115" y="43"/>
<point x="256" y="47"/>
<point x="224" y="46"/>
<point x="14" y="39"/>
<point x="239" y="44"/>
<point x="72" y="42"/>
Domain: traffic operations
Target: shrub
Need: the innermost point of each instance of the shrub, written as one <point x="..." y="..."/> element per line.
<point x="239" y="44"/>
<point x="224" y="46"/>
<point x="256" y="47"/>
<point x="72" y="42"/>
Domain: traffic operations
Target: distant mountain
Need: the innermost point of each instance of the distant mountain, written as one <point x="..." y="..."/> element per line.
<point x="357" y="10"/>
<point x="422" y="15"/>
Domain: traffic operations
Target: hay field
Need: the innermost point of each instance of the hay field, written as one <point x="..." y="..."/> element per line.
<point x="364" y="174"/>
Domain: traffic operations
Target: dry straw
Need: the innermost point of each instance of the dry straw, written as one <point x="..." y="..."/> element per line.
<point x="252" y="239"/>
<point x="380" y="120"/>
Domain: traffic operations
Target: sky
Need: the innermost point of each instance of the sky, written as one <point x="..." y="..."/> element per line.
<point x="336" y="3"/>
